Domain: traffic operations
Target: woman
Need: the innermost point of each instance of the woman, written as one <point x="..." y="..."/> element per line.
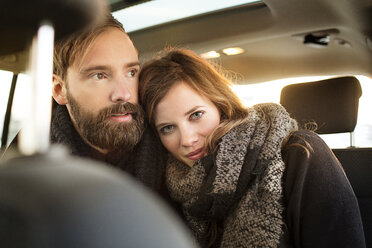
<point x="245" y="177"/>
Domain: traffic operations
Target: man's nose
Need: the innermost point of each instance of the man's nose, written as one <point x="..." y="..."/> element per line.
<point x="120" y="92"/>
<point x="188" y="136"/>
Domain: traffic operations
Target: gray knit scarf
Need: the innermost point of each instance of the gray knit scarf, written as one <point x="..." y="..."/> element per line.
<point x="239" y="187"/>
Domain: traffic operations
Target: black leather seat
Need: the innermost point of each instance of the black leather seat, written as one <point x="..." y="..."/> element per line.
<point x="333" y="105"/>
<point x="357" y="163"/>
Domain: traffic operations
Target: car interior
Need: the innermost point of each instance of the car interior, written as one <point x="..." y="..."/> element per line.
<point x="49" y="198"/>
<point x="325" y="45"/>
<point x="333" y="105"/>
<point x="286" y="39"/>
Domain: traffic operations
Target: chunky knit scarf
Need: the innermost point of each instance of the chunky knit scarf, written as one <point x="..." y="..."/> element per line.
<point x="239" y="187"/>
<point x="145" y="162"/>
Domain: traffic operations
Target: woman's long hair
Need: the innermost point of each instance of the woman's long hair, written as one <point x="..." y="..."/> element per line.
<point x="179" y="65"/>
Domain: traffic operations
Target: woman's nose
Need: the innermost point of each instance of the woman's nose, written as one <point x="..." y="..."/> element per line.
<point x="188" y="137"/>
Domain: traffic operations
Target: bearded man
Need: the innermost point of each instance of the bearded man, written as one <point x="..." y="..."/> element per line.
<point x="96" y="112"/>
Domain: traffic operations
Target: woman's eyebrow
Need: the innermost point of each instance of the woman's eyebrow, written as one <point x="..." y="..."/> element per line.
<point x="193" y="109"/>
<point x="187" y="113"/>
<point x="161" y="125"/>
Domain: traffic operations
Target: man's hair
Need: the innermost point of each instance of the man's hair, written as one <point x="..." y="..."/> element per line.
<point x="73" y="49"/>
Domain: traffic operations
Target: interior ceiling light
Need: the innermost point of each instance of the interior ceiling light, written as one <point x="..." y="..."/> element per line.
<point x="210" y="55"/>
<point x="233" y="50"/>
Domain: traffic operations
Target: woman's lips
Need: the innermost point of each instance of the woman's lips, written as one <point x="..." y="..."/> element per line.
<point x="196" y="154"/>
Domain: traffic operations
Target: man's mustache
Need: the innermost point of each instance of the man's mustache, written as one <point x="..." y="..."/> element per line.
<point x="119" y="108"/>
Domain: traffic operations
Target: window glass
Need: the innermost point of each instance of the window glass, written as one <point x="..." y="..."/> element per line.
<point x="250" y="94"/>
<point x="363" y="129"/>
<point x="21" y="99"/>
<point x="270" y="92"/>
<point x="5" y="83"/>
<point x="20" y="102"/>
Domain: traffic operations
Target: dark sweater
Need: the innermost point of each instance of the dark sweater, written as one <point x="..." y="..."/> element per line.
<point x="321" y="207"/>
<point x="145" y="162"/>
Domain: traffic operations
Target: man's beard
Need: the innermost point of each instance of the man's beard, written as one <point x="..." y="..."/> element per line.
<point x="106" y="134"/>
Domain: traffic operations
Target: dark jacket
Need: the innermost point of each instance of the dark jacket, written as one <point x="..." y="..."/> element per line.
<point x="145" y="162"/>
<point x="258" y="191"/>
<point x="321" y="209"/>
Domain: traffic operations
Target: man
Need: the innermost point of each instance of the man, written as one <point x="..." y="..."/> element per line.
<point x="96" y="112"/>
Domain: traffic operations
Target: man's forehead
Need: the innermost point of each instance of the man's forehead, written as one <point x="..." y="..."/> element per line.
<point x="111" y="48"/>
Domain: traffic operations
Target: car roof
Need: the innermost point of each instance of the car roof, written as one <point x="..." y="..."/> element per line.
<point x="272" y="33"/>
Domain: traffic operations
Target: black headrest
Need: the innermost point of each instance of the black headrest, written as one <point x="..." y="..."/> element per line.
<point x="19" y="19"/>
<point x="332" y="103"/>
<point x="59" y="201"/>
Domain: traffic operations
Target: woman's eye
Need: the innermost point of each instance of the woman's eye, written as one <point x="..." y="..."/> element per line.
<point x="196" y="115"/>
<point x="166" y="130"/>
<point x="99" y="76"/>
<point x="132" y="72"/>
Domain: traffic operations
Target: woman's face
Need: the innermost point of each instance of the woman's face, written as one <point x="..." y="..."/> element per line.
<point x="183" y="119"/>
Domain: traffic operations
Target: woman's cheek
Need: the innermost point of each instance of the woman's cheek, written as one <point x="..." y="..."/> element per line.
<point x="169" y="143"/>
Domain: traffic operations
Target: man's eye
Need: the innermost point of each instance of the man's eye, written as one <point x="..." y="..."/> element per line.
<point x="196" y="115"/>
<point x="167" y="129"/>
<point x="132" y="72"/>
<point x="98" y="76"/>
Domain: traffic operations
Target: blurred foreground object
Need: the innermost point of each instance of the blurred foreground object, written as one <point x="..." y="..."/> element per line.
<point x="57" y="201"/>
<point x="49" y="199"/>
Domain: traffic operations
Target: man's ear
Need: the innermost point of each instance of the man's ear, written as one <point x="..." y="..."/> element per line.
<point x="59" y="90"/>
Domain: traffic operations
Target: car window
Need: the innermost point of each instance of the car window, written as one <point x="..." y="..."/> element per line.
<point x="249" y="93"/>
<point x="270" y="92"/>
<point x="20" y="100"/>
<point x="5" y="83"/>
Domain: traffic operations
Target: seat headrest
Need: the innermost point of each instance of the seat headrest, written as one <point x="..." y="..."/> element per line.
<point x="19" y="20"/>
<point x="332" y="103"/>
<point x="57" y="200"/>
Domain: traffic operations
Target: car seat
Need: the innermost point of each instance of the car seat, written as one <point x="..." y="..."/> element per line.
<point x="333" y="105"/>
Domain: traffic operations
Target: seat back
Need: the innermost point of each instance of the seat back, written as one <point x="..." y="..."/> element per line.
<point x="357" y="163"/>
<point x="56" y="200"/>
<point x="333" y="105"/>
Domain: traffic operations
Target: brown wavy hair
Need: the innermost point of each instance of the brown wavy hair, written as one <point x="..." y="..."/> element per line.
<point x="180" y="65"/>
